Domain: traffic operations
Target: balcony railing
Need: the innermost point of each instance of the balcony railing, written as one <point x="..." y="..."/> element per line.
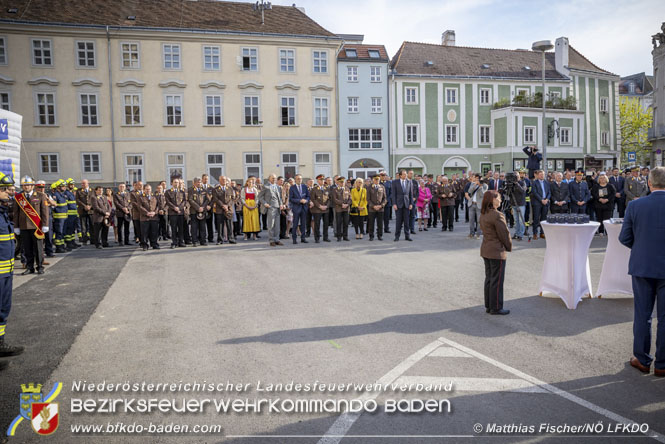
<point x="536" y="101"/>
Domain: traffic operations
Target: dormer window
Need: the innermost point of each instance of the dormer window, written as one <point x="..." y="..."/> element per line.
<point x="631" y="87"/>
<point x="373" y="53"/>
<point x="351" y="53"/>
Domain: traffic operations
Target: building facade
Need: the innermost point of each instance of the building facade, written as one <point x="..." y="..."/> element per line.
<point x="460" y="109"/>
<point x="148" y="90"/>
<point x="657" y="130"/>
<point x="362" y="75"/>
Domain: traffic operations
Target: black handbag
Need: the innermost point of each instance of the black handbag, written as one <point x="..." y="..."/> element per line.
<point x="356" y="209"/>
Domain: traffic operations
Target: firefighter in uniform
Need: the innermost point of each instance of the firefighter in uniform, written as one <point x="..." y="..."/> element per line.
<point x="72" y="220"/>
<point x="635" y="185"/>
<point x="318" y="205"/>
<point x="59" y="215"/>
<point x="6" y="268"/>
<point x="31" y="222"/>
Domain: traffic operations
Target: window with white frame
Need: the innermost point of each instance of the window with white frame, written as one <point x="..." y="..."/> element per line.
<point x="555" y="95"/>
<point x="451" y="134"/>
<point x="411" y="134"/>
<point x="250" y="59"/>
<point x="287" y="111"/>
<point x="213" y="106"/>
<point x="130" y="57"/>
<point x="320" y="111"/>
<point x="451" y="96"/>
<point x="365" y="138"/>
<point x="484" y="134"/>
<point x="211" y="58"/>
<point x="605" y="138"/>
<point x="485" y="96"/>
<point x="91" y="163"/>
<point x="289" y="165"/>
<point x="175" y="165"/>
<point x="375" y="74"/>
<point x="529" y="134"/>
<point x="215" y="166"/>
<point x="173" y="111"/>
<point x="411" y="95"/>
<point x="134" y="168"/>
<point x="604" y="104"/>
<point x="5" y="101"/>
<point x="377" y="105"/>
<point x="287" y="60"/>
<point x="631" y="87"/>
<point x="565" y="136"/>
<point x="352" y="105"/>
<point x="253" y="165"/>
<point x="132" y="109"/>
<point x="49" y="163"/>
<point x="251" y="110"/>
<point x="320" y="62"/>
<point x="85" y="54"/>
<point x="3" y="50"/>
<point x="171" y="55"/>
<point x="522" y="91"/>
<point x="88" y="109"/>
<point x="45" y="112"/>
<point x="42" y="52"/>
<point x="351" y="73"/>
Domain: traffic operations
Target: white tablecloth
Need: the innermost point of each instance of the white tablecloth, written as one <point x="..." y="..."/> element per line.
<point x="615" y="278"/>
<point x="566" y="267"/>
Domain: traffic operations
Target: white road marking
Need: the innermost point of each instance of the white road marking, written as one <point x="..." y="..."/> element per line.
<point x="342" y="425"/>
<point x="449" y="352"/>
<point x="475" y="384"/>
<point x="554" y="390"/>
<point x="345" y="421"/>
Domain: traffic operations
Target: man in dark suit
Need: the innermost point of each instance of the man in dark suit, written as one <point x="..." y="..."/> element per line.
<point x="540" y="202"/>
<point x="579" y="194"/>
<point x="299" y="200"/>
<point x="560" y="194"/>
<point x="620" y="198"/>
<point x="643" y="232"/>
<point x="496" y="183"/>
<point x="402" y="198"/>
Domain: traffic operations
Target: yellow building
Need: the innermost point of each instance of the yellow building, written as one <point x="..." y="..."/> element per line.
<point x="120" y="91"/>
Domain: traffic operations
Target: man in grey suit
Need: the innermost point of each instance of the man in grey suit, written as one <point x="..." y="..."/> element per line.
<point x="271" y="202"/>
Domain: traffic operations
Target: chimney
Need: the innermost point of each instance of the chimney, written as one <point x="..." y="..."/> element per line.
<point x="561" y="55"/>
<point x="448" y="38"/>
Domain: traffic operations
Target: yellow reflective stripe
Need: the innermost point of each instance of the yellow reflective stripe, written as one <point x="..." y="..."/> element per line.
<point x="61" y="204"/>
<point x="6" y="237"/>
<point x="5" y="272"/>
<point x="8" y="261"/>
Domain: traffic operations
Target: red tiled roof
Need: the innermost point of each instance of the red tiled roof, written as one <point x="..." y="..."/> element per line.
<point x="172" y="14"/>
<point x="363" y="52"/>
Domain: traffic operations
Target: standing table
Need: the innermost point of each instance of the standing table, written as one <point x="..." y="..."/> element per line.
<point x="566" y="268"/>
<point x="615" y="278"/>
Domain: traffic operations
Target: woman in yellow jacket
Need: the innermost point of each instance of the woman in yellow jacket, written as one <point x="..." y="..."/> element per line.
<point x="358" y="206"/>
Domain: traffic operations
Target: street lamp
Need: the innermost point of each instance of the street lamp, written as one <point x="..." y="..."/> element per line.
<point x="542" y="46"/>
<point x="261" y="150"/>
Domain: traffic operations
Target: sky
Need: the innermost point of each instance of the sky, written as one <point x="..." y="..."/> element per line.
<point x="614" y="35"/>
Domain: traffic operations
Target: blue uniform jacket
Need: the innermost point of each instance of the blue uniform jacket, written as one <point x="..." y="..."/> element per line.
<point x="579" y="192"/>
<point x="643" y="231"/>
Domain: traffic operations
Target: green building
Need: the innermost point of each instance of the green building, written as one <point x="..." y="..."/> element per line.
<point x="457" y="108"/>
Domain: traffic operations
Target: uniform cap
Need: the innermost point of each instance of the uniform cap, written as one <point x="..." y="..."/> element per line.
<point x="341" y="178"/>
<point x="5" y="180"/>
<point x="579" y="172"/>
<point x="40" y="183"/>
<point x="320" y="176"/>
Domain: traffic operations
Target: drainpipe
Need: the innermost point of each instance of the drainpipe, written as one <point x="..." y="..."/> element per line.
<point x="108" y="50"/>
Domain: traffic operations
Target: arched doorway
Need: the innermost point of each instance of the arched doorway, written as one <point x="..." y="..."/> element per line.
<point x="412" y="163"/>
<point x="364" y="168"/>
<point x="455" y="165"/>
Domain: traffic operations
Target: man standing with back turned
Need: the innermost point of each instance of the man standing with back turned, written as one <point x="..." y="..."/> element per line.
<point x="643" y="232"/>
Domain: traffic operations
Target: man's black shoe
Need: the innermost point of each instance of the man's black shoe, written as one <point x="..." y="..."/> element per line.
<point x="346" y="239"/>
<point x="500" y="312"/>
<point x="28" y="271"/>
<point x="326" y="240"/>
<point x="295" y="241"/>
<point x="371" y="238"/>
<point x="409" y="239"/>
<point x="98" y="247"/>
<point x="386" y="231"/>
<point x="145" y="248"/>
<point x="304" y="241"/>
<point x="50" y="255"/>
<point x="182" y="245"/>
<point x="40" y="271"/>
<point x="318" y="241"/>
<point x="9" y="350"/>
<point x="232" y="241"/>
<point x="396" y="239"/>
<point x="380" y="238"/>
<point x="172" y="246"/>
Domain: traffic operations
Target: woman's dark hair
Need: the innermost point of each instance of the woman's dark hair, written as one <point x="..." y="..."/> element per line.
<point x="488" y="201"/>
